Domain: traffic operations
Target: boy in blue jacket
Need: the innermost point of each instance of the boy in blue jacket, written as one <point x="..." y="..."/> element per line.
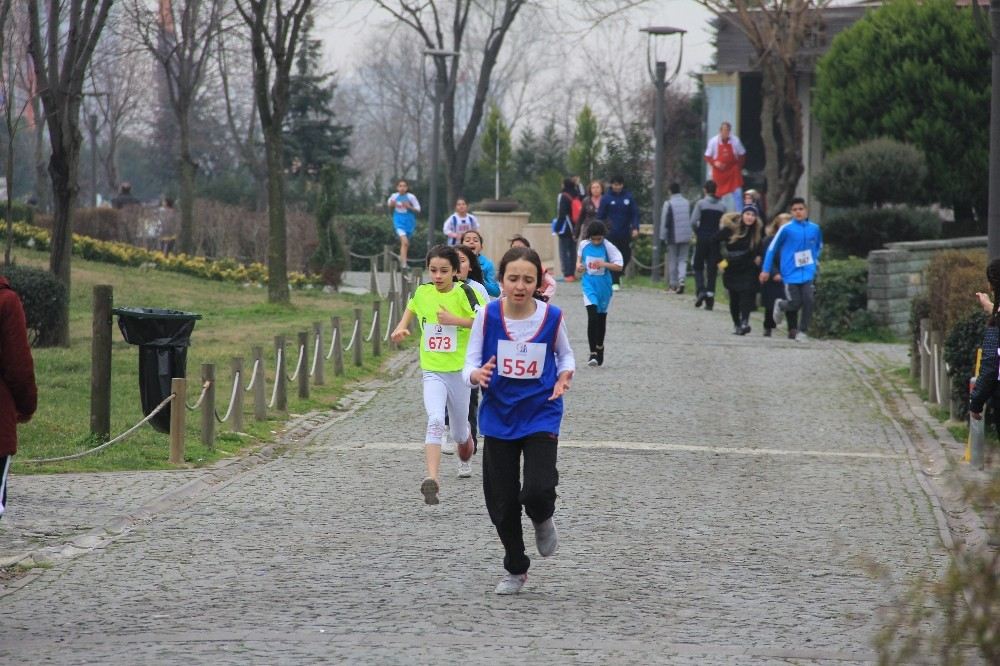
<point x="798" y="245"/>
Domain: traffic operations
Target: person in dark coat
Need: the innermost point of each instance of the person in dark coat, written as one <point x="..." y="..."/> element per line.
<point x="18" y="392"/>
<point x="742" y="238"/>
<point x="987" y="386"/>
<point x="774" y="288"/>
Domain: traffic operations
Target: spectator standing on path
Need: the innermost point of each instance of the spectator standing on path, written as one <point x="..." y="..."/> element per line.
<point x="726" y="156"/>
<point x="620" y="212"/>
<point x="404" y="207"/>
<point x="675" y="230"/>
<point x="565" y="228"/>
<point x="591" y="204"/>
<point x="474" y="241"/>
<point x="519" y="353"/>
<point x="773" y="289"/>
<point x="443" y="307"/>
<point x="459" y="222"/>
<point x="987" y="385"/>
<point x="705" y="221"/>
<point x="742" y="237"/>
<point x="598" y="258"/>
<point x="18" y="392"/>
<point x="798" y="245"/>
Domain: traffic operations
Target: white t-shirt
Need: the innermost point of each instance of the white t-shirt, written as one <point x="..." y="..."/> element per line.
<point x="712" y="151"/>
<point x="394" y="200"/>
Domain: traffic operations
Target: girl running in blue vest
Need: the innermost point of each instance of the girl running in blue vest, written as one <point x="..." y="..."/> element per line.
<point x="404" y="207"/>
<point x="445" y="312"/>
<point x="596" y="258"/>
<point x="529" y="365"/>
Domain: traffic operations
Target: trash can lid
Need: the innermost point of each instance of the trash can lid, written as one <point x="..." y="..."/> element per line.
<point x="154" y="313"/>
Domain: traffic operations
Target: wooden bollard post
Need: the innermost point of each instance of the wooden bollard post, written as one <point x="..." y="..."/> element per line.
<point x="915" y="356"/>
<point x="359" y="343"/>
<point x="303" y="370"/>
<point x="925" y="358"/>
<point x="318" y="378"/>
<point x="373" y="278"/>
<point x="377" y="325"/>
<point x="208" y="406"/>
<point x="259" y="387"/>
<point x="944" y="382"/>
<point x="387" y="260"/>
<point x="178" y="386"/>
<point x="100" y="363"/>
<point x="338" y="348"/>
<point x="281" y="397"/>
<point x="237" y="418"/>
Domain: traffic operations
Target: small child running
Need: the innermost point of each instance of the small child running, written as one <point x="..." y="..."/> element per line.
<point x="445" y="313"/>
<point x="473" y="240"/>
<point x="404" y="220"/>
<point x="528" y="367"/>
<point x="596" y="257"/>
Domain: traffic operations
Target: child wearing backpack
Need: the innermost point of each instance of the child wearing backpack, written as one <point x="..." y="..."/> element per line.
<point x="444" y="309"/>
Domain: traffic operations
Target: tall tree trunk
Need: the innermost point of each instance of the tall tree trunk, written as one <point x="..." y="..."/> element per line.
<point x="186" y="168"/>
<point x="63" y="170"/>
<point x="9" y="214"/>
<point x="780" y="112"/>
<point x="43" y="188"/>
<point x="277" y="252"/>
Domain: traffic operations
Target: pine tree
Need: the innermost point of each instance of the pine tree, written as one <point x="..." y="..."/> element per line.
<point x="524" y="157"/>
<point x="551" y="152"/>
<point x="587" y="145"/>
<point x="313" y="137"/>
<point x="496" y="128"/>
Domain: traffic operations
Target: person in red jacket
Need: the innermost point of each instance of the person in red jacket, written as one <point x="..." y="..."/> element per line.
<point x="18" y="393"/>
<point x="726" y="155"/>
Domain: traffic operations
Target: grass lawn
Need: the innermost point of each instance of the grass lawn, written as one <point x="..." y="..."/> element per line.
<point x="235" y="318"/>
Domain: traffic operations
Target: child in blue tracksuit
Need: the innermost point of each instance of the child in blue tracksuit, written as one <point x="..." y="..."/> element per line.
<point x="519" y="353"/>
<point x="597" y="257"/>
<point x="404" y="207"/>
<point x="798" y="245"/>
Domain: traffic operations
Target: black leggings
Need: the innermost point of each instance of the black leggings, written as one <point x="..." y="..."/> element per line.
<point x="741" y="304"/>
<point x="506" y="492"/>
<point x="597" y="326"/>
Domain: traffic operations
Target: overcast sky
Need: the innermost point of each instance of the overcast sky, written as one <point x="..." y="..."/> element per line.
<point x="345" y="25"/>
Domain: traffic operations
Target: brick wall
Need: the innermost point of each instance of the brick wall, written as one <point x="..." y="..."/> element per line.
<point x="896" y="274"/>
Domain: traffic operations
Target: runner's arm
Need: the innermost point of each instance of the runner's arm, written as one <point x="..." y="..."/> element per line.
<point x="474" y="351"/>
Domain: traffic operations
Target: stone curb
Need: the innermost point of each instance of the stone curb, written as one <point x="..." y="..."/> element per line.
<point x="299" y="432"/>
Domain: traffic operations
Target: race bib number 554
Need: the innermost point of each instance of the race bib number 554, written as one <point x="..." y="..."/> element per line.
<point x="440" y="338"/>
<point x="520" y="360"/>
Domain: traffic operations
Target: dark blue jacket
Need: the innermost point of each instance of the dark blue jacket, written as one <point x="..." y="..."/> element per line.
<point x="621" y="213"/>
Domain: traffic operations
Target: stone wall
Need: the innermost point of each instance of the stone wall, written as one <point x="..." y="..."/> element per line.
<point x="896" y="275"/>
<point x="498" y="228"/>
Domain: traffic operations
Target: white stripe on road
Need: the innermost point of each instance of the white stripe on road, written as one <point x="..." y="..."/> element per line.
<point x="647" y="446"/>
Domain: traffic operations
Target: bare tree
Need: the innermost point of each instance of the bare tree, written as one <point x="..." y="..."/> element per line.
<point x="777" y="31"/>
<point x="61" y="61"/>
<point x="275" y="34"/>
<point x="431" y="25"/>
<point x="11" y="77"/>
<point x="119" y="74"/>
<point x="181" y="37"/>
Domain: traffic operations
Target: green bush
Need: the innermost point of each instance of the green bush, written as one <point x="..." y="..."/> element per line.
<point x="44" y="300"/>
<point x="858" y="231"/>
<point x="872" y="173"/>
<point x="367" y="234"/>
<point x="953" y="278"/>
<point x="19" y="212"/>
<point x="960" y="355"/>
<point x="920" y="308"/>
<point x="841" y="299"/>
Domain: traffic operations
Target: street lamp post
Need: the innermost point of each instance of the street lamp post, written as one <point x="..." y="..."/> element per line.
<point x="993" y="202"/>
<point x="658" y="73"/>
<point x="92" y="128"/>
<point x="436" y="98"/>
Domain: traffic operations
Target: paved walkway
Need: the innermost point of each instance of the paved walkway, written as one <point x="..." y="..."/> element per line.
<point x="722" y="500"/>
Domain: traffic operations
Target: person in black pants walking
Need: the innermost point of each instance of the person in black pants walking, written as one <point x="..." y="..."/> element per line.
<point x="705" y="221"/>
<point x="742" y="237"/>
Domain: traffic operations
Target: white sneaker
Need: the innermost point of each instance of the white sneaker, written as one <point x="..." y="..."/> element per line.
<point x="464" y="469"/>
<point x="448" y="446"/>
<point x="511" y="583"/>
<point x="801" y="337"/>
<point x="777" y="312"/>
<point x="615" y="287"/>
<point x="546" y="539"/>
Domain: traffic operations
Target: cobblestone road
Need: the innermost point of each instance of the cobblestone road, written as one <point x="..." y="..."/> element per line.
<point x="721" y="502"/>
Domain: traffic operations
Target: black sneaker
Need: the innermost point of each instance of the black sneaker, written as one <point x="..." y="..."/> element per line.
<point x="737" y="330"/>
<point x="592" y="361"/>
<point x="698" y="302"/>
<point x="767" y="332"/>
<point x="709" y="302"/>
<point x="680" y="290"/>
<point x="600" y="356"/>
<point x="745" y="329"/>
<point x="791" y="333"/>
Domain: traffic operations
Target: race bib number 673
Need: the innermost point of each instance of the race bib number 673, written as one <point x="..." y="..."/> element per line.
<point x="440" y="338"/>
<point x="520" y="360"/>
